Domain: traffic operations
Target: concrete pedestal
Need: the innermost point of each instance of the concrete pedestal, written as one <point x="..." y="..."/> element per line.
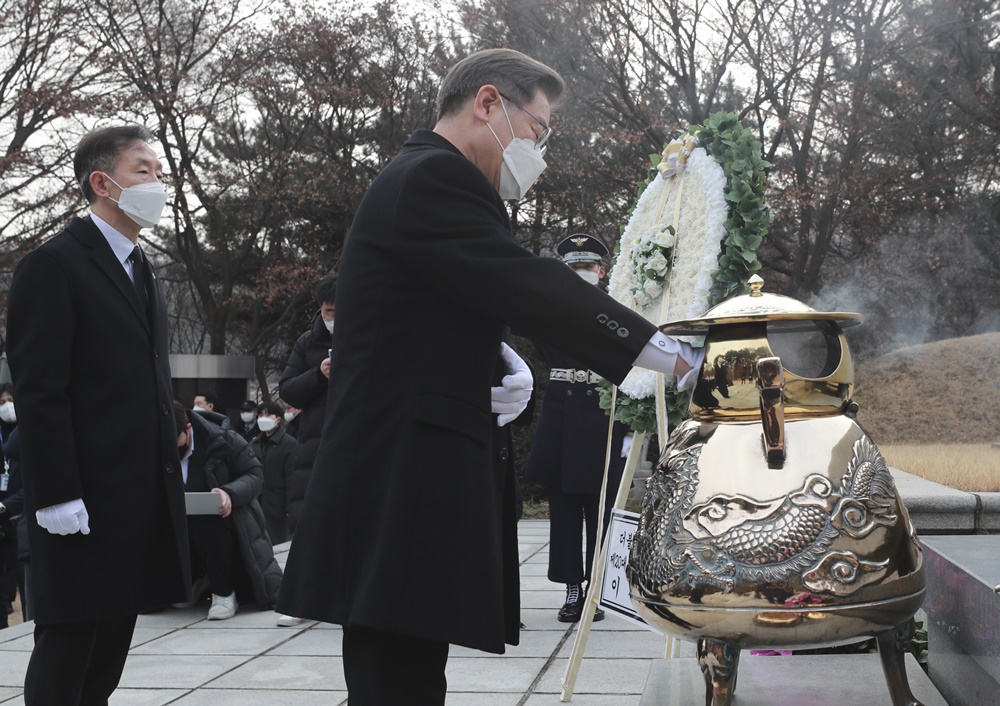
<point x="963" y="617"/>
<point x="816" y="680"/>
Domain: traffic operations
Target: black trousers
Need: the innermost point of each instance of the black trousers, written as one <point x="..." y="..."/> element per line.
<point x="211" y="539"/>
<point x="386" y="669"/>
<point x="567" y="514"/>
<point x="277" y="528"/>
<point x="77" y="664"/>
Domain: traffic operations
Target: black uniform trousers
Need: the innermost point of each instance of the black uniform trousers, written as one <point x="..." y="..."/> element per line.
<point x="387" y="669"/>
<point x="567" y="514"/>
<point x="77" y="664"/>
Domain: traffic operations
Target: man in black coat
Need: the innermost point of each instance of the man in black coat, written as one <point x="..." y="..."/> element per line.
<point x="570" y="446"/>
<point x="87" y="333"/>
<point x="304" y="385"/>
<point x="401" y="535"/>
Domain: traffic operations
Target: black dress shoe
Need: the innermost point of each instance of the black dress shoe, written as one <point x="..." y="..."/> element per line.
<point x="598" y="615"/>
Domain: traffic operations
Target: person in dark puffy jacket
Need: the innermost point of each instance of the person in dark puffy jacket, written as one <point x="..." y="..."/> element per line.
<point x="276" y="450"/>
<point x="304" y="385"/>
<point x="235" y="545"/>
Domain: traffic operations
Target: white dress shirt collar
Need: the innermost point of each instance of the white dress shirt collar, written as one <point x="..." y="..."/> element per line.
<point x="121" y="246"/>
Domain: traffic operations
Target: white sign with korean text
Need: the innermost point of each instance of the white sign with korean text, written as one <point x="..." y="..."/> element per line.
<point x="614" y="590"/>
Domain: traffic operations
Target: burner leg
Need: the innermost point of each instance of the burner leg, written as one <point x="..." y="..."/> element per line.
<point x="718" y="660"/>
<point x="892" y="650"/>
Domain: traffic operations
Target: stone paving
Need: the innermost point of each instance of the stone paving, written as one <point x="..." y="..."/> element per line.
<point x="179" y="657"/>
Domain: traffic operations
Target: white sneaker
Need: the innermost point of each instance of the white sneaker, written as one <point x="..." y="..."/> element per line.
<point x="223" y="607"/>
<point x="289" y="621"/>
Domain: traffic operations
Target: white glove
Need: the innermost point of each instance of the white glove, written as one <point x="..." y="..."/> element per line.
<point x="510" y="400"/>
<point x="627" y="444"/>
<point x="64" y="518"/>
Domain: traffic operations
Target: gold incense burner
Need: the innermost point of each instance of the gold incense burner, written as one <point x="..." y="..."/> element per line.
<point x="772" y="520"/>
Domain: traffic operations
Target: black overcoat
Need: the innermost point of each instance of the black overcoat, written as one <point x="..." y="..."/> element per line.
<point x="303" y="385"/>
<point x="402" y="525"/>
<point x="94" y="408"/>
<point x="569" y="448"/>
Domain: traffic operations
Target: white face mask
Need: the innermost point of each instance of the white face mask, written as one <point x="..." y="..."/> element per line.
<point x="589" y="276"/>
<point x="329" y="324"/>
<point x="289" y="416"/>
<point x="266" y="423"/>
<point x="522" y="164"/>
<point x="247" y="417"/>
<point x="7" y="412"/>
<point x="143" y="203"/>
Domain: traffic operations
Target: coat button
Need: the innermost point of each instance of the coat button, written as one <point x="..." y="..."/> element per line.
<point x="164" y="409"/>
<point x="589" y="393"/>
<point x="569" y="393"/>
<point x="169" y="468"/>
<point x="503" y="454"/>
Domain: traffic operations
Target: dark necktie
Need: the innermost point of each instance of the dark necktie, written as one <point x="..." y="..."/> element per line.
<point x="139" y="279"/>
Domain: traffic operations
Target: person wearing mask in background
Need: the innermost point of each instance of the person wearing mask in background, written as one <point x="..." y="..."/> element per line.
<point x="216" y="459"/>
<point x="276" y="451"/>
<point x="11" y="503"/>
<point x="103" y="495"/>
<point x="204" y="402"/>
<point x="248" y="416"/>
<point x="304" y="384"/>
<point x="12" y="506"/>
<point x="569" y="448"/>
<point x="404" y="478"/>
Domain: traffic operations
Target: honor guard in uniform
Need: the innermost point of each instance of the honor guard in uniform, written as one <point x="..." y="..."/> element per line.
<point x="568" y="451"/>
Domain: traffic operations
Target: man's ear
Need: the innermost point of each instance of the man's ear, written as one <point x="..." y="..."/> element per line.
<point x="601" y="272"/>
<point x="487" y="99"/>
<point x="100" y="183"/>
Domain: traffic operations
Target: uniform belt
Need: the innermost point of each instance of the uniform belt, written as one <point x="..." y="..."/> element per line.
<point x="573" y="375"/>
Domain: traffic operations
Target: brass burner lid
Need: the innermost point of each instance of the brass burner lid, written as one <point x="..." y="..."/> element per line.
<point x="757" y="306"/>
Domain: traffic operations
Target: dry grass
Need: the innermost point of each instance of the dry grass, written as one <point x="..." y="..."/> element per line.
<point x="934" y="410"/>
<point x="970" y="467"/>
<point x="946" y="392"/>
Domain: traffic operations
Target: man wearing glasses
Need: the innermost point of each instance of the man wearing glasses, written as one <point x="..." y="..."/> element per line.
<point x="407" y="535"/>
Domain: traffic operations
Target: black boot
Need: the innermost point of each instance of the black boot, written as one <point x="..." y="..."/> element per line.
<point x="573" y="607"/>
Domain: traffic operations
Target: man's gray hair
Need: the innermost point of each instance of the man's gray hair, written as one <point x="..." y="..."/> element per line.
<point x="516" y="76"/>
<point x="99" y="151"/>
